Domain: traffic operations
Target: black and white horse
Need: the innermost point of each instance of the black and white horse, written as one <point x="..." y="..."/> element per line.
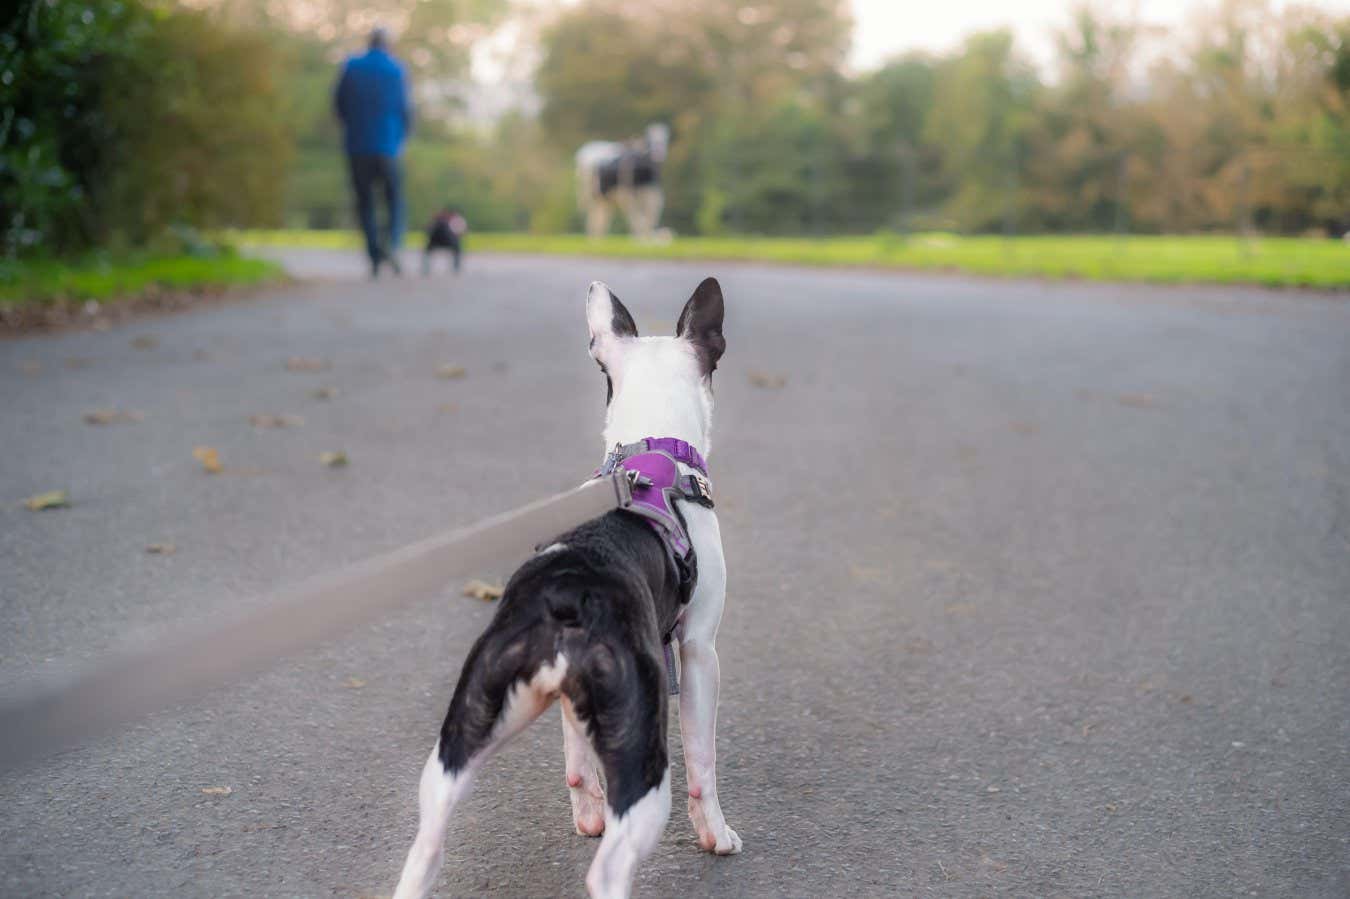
<point x="625" y="175"/>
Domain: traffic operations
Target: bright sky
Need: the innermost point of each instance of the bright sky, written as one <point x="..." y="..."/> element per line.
<point x="883" y="28"/>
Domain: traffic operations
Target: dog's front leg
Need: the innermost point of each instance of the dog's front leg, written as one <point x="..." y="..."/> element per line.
<point x="698" y="729"/>
<point x="702" y="677"/>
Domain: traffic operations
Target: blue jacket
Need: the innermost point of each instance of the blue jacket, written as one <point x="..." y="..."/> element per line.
<point x="373" y="103"/>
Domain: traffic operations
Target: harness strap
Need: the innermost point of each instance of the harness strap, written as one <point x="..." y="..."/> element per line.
<point x="679" y="450"/>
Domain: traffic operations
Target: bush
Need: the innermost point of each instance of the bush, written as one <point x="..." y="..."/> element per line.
<point x="119" y="118"/>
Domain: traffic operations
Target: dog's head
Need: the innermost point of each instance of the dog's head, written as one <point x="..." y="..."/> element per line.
<point x="652" y="382"/>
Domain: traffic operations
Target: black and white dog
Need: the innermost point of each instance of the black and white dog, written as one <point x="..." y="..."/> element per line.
<point x="584" y="621"/>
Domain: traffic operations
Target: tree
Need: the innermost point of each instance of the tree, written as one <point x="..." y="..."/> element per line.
<point x="982" y="118"/>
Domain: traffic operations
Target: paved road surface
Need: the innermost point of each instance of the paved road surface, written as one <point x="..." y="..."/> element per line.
<point x="1036" y="589"/>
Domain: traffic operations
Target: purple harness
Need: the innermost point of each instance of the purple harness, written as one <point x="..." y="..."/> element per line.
<point x="656" y="484"/>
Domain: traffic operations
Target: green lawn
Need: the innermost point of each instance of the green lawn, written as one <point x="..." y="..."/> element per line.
<point x="1277" y="261"/>
<point x="99" y="278"/>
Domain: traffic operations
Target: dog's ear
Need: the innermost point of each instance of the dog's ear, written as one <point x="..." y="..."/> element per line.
<point x="701" y="324"/>
<point x="606" y="316"/>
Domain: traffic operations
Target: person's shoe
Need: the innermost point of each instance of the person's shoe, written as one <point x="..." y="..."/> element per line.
<point x="392" y="259"/>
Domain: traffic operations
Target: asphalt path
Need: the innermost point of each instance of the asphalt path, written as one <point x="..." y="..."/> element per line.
<point x="1036" y="589"/>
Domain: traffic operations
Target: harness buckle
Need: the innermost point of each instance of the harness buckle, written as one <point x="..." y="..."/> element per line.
<point x="702" y="489"/>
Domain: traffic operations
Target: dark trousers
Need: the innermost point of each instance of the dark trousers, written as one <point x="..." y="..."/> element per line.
<point x="368" y="172"/>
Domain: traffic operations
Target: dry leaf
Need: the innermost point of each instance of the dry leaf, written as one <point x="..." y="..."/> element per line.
<point x="275" y="421"/>
<point x="161" y="549"/>
<point x="767" y="381"/>
<point x="52" y="499"/>
<point x="145" y="342"/>
<point x="451" y="372"/>
<point x="335" y="459"/>
<point x="209" y="458"/>
<point x="448" y="407"/>
<point x="201" y="356"/>
<point x="1136" y="400"/>
<point x="75" y="363"/>
<point x="217" y="791"/>
<point x="353" y="683"/>
<point x="483" y="590"/>
<point x="305" y="363"/>
<point x="30" y="366"/>
<point x="323" y="393"/>
<point x="111" y="416"/>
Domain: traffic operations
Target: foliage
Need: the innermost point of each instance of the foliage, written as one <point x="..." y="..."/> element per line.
<point x="1244" y="123"/>
<point x="118" y="118"/>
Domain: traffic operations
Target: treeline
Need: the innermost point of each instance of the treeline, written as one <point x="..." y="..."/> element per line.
<point x="1241" y="121"/>
<point x="120" y="119"/>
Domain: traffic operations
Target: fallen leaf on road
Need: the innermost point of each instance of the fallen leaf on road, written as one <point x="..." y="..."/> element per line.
<point x="254" y="828"/>
<point x="275" y="421"/>
<point x="451" y="372"/>
<point x="1136" y="400"/>
<point x="353" y="683"/>
<point x="335" y="459"/>
<point x="767" y="381"/>
<point x="962" y="609"/>
<point x="201" y="356"/>
<point x="448" y="407"/>
<point x="75" y="363"/>
<point x="52" y="499"/>
<point x="1023" y="427"/>
<point x="305" y="363"/>
<point x="868" y="574"/>
<point x="217" y="791"/>
<point x="323" y="393"/>
<point x="161" y="549"/>
<point x="483" y="590"/>
<point x="111" y="416"/>
<point x="209" y="458"/>
<point x="30" y="366"/>
<point x="145" y="342"/>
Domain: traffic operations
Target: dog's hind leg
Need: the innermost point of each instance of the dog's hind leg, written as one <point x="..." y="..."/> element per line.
<point x="629" y="838"/>
<point x="584" y="783"/>
<point x="504" y="686"/>
<point x="619" y="693"/>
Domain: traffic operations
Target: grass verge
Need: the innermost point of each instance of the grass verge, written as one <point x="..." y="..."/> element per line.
<point x="1274" y="261"/>
<point x="103" y="279"/>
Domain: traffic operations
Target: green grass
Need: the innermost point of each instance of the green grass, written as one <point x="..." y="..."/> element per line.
<point x="105" y="279"/>
<point x="1276" y="261"/>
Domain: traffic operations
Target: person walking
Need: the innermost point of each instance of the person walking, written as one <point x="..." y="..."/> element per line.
<point x="373" y="103"/>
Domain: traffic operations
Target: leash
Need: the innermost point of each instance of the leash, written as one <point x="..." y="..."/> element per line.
<point x="137" y="681"/>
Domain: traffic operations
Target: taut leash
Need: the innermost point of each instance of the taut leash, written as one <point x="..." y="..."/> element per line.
<point x="136" y="681"/>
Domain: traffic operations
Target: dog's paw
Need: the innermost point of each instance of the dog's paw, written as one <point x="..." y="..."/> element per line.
<point x="713" y="835"/>
<point x="728" y="842"/>
<point x="588" y="811"/>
